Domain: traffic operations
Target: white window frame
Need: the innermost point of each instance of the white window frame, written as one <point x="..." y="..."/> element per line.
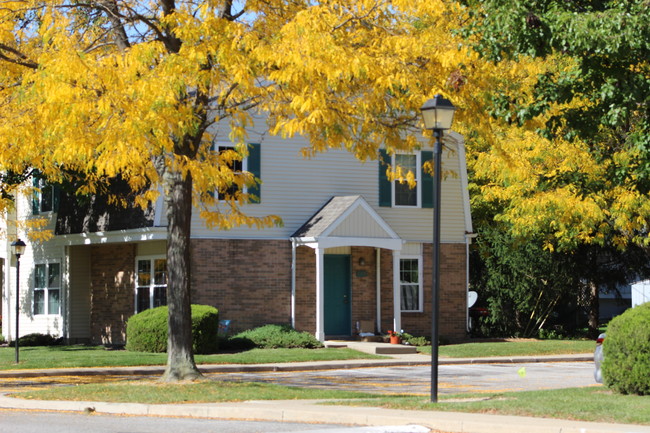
<point x="418" y="177"/>
<point x="152" y="285"/>
<point x="244" y="163"/>
<point x="42" y="185"/>
<point x="420" y="283"/>
<point x="47" y="289"/>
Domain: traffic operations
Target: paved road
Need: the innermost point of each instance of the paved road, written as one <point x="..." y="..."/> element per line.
<point x="452" y="379"/>
<point x="34" y="422"/>
<point x="415" y="380"/>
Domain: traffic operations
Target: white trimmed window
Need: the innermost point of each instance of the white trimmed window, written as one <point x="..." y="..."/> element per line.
<point x="410" y="276"/>
<point x="47" y="288"/>
<point x="403" y="194"/>
<point x="151" y="283"/>
<point x="237" y="166"/>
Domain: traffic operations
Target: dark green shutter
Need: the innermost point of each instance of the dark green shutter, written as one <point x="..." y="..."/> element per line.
<point x="385" y="193"/>
<point x="426" y="181"/>
<point x="255" y="167"/>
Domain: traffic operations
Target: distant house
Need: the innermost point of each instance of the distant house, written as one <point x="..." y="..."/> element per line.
<point x="354" y="247"/>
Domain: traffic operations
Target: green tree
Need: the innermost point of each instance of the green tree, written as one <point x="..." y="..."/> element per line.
<point x="574" y="176"/>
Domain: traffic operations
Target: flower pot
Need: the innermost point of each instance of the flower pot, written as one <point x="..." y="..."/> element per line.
<point x="394" y="339"/>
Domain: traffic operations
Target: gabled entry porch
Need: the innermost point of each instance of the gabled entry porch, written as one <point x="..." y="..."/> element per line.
<point x="346" y="235"/>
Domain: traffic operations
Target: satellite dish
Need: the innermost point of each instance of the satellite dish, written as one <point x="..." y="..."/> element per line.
<point x="472" y="297"/>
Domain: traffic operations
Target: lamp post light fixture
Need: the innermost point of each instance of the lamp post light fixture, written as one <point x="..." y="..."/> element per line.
<point x="18" y="249"/>
<point x="438" y="115"/>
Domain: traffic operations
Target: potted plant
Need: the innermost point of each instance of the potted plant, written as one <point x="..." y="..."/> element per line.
<point x="395" y="337"/>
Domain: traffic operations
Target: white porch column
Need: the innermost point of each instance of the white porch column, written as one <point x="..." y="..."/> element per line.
<point x="397" y="307"/>
<point x="320" y="294"/>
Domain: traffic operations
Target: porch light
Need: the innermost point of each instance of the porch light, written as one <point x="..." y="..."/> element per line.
<point x="18" y="249"/>
<point x="438" y="114"/>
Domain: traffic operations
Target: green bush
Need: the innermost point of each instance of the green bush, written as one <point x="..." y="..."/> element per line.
<point x="2" y="339"/>
<point x="147" y="331"/>
<point x="415" y="341"/>
<point x="36" y="339"/>
<point x="626" y="368"/>
<point x="273" y="337"/>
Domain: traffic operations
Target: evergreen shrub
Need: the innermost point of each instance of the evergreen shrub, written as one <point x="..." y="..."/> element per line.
<point x="273" y="337"/>
<point x="36" y="339"/>
<point x="147" y="331"/>
<point x="626" y="367"/>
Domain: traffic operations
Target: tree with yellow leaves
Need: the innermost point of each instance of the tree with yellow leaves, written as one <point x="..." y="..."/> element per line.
<point x="131" y="89"/>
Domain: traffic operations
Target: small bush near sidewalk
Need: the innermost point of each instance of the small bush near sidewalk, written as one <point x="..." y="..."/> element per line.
<point x="147" y="331"/>
<point x="626" y="367"/>
<point x="273" y="337"/>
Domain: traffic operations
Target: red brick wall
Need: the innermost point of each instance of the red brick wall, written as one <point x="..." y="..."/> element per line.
<point x="112" y="291"/>
<point x="364" y="286"/>
<point x="249" y="281"/>
<point x="453" y="296"/>
<point x="305" y="289"/>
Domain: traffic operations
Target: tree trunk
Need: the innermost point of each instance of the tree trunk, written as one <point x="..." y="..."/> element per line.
<point x="594" y="310"/>
<point x="180" y="357"/>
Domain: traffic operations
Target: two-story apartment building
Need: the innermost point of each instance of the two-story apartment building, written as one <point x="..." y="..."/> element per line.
<point x="353" y="247"/>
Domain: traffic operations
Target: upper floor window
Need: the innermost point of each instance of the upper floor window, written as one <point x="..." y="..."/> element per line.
<point x="410" y="280"/>
<point x="151" y="283"/>
<point x="252" y="164"/>
<point x="401" y="194"/>
<point x="47" y="288"/>
<point x="237" y="166"/>
<point x="45" y="196"/>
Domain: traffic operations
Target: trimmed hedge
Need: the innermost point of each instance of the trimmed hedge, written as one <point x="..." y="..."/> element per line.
<point x="147" y="331"/>
<point x="626" y="367"/>
<point x="274" y="337"/>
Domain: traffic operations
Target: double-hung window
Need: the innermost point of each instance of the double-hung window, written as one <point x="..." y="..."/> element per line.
<point x="45" y="196"/>
<point x="237" y="166"/>
<point x="403" y="193"/>
<point x="151" y="283"/>
<point x="252" y="164"/>
<point x="393" y="193"/>
<point x="410" y="280"/>
<point x="47" y="288"/>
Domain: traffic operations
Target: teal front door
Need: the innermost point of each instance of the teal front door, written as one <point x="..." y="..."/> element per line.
<point x="337" y="295"/>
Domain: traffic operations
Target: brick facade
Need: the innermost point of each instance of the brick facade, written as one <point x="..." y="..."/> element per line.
<point x="249" y="281"/>
<point x="112" y="291"/>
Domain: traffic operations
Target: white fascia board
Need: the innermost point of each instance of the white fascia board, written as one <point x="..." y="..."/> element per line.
<point x="386" y="243"/>
<point x="462" y="165"/>
<point x="133" y="235"/>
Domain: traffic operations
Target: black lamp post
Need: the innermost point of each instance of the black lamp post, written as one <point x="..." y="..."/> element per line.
<point x="18" y="248"/>
<point x="438" y="115"/>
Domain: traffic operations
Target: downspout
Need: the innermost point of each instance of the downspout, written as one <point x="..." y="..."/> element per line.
<point x="378" y="287"/>
<point x="468" y="241"/>
<point x="293" y="283"/>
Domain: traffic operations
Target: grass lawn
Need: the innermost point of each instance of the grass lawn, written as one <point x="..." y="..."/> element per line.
<point x="98" y="356"/>
<point x="595" y="403"/>
<point x="204" y="391"/>
<point x="514" y="348"/>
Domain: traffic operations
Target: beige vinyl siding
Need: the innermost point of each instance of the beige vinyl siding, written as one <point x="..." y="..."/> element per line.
<point x="79" y="293"/>
<point x="294" y="188"/>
